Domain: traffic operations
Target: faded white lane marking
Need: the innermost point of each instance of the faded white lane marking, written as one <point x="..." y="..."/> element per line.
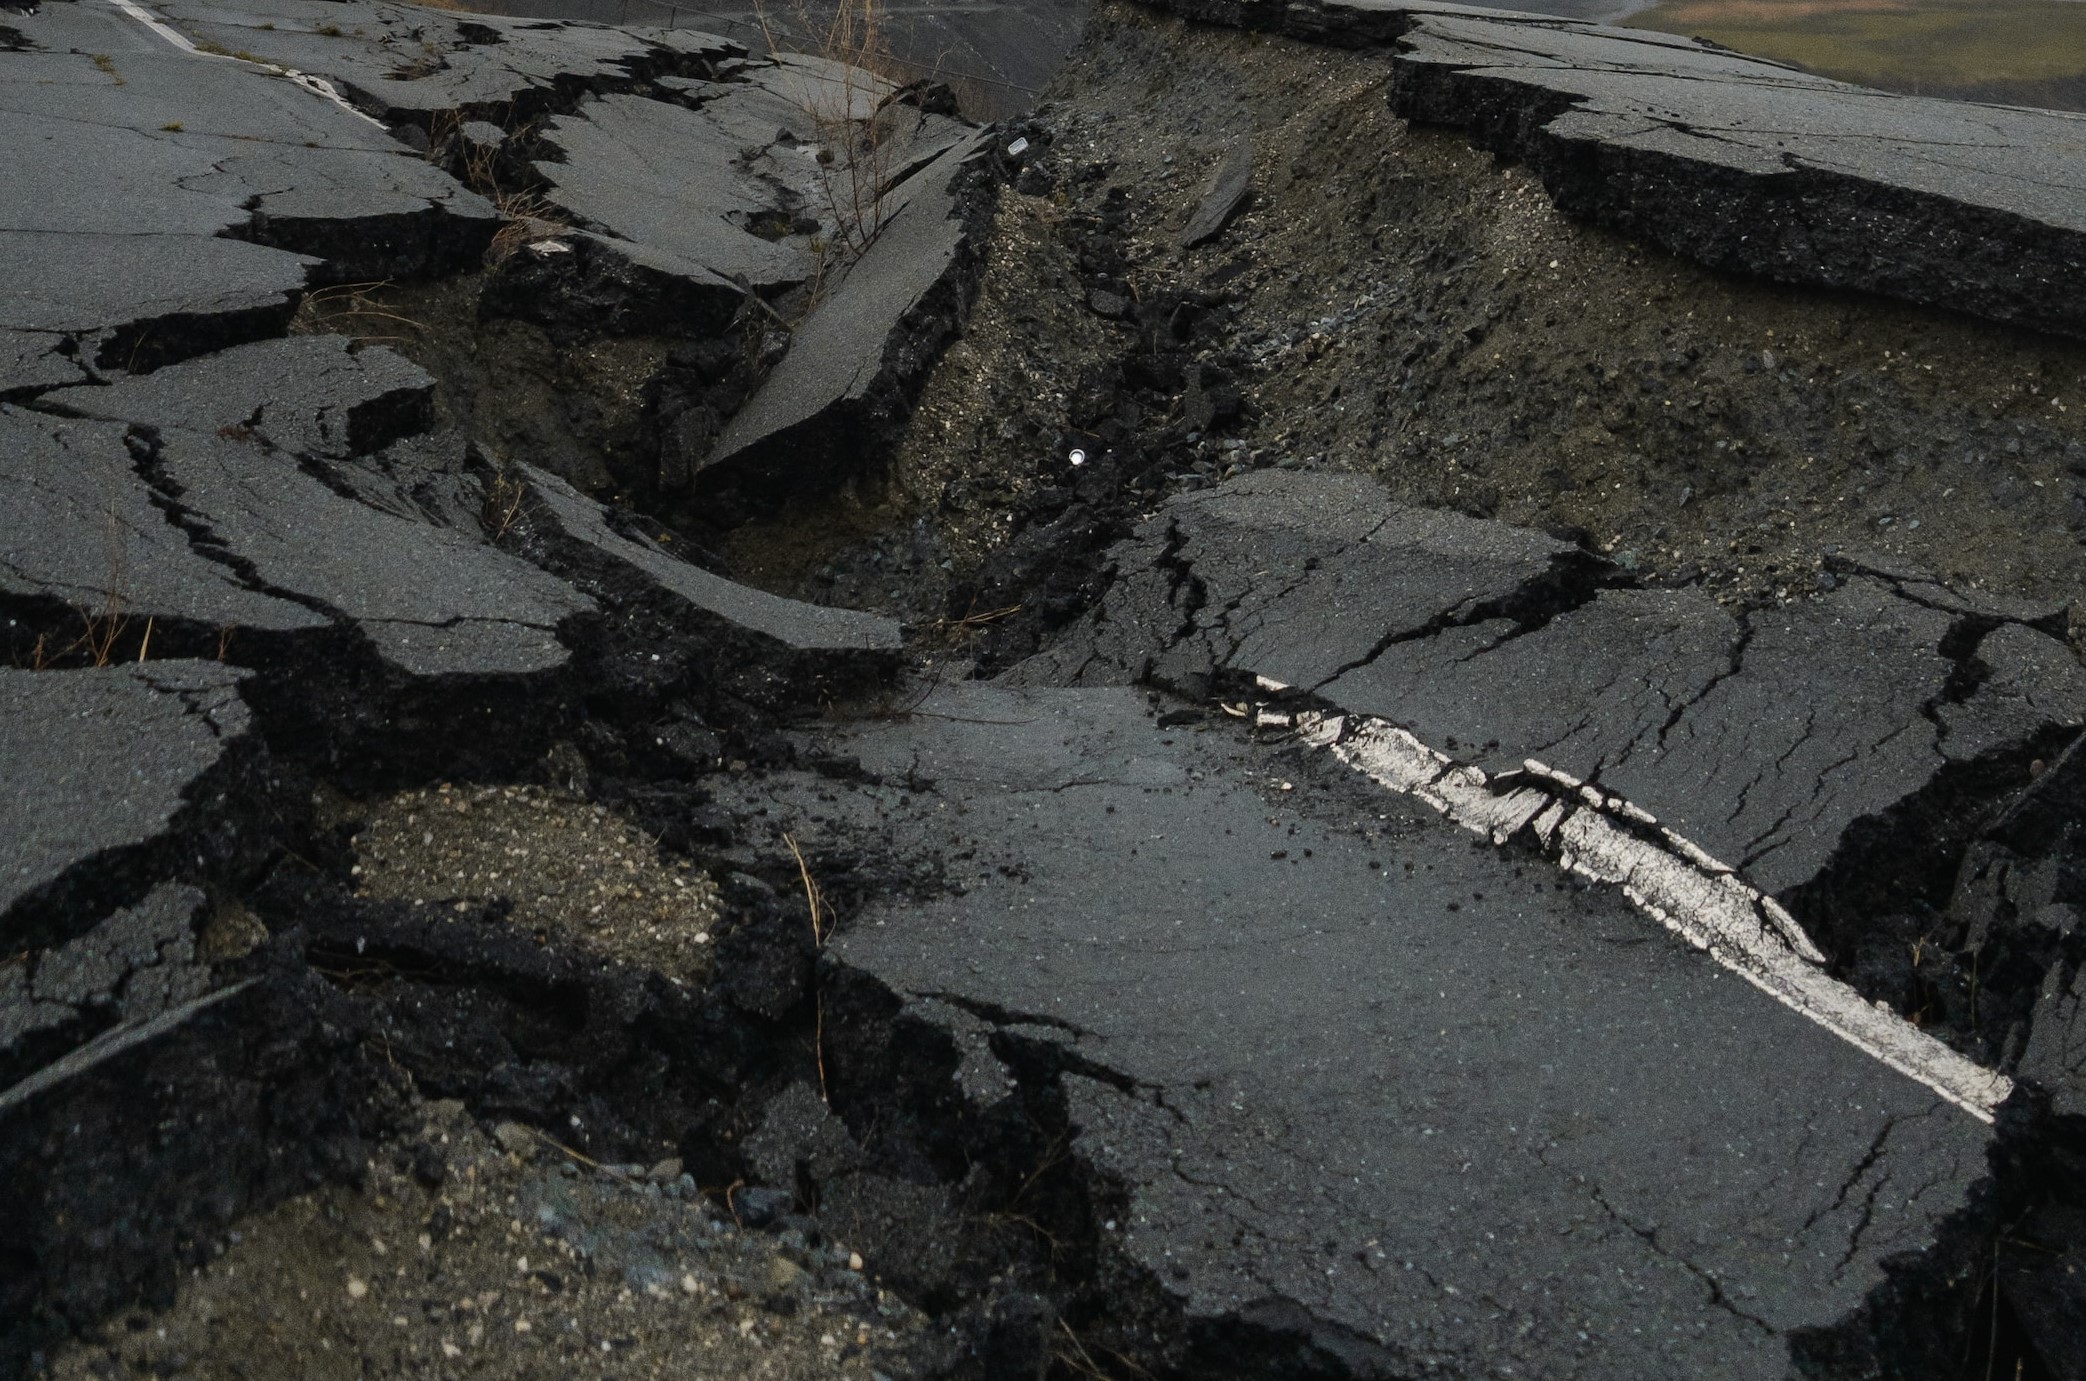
<point x="1704" y="901"/>
<point x="317" y="86"/>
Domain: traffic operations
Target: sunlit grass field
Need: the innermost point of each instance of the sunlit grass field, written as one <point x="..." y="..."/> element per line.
<point x="2023" y="52"/>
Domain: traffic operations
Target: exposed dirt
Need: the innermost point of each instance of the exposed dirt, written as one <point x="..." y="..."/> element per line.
<point x="560" y="863"/>
<point x="577" y="407"/>
<point x="468" y="1254"/>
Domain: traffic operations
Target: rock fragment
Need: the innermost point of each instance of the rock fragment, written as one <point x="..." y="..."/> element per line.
<point x="1223" y="196"/>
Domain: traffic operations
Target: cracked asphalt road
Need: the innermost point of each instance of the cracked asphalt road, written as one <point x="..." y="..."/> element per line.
<point x="1441" y="1065"/>
<point x="1450" y="1109"/>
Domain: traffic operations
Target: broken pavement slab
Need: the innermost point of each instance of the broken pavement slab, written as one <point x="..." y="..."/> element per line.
<point x="84" y="529"/>
<point x="1742" y="164"/>
<point x="1764" y="737"/>
<point x="1319" y="1016"/>
<point x="406" y="65"/>
<point x="2055" y="1056"/>
<point x="306" y="395"/>
<point x="431" y="600"/>
<point x="138" y="967"/>
<point x="117" y="757"/>
<point x="854" y="364"/>
<point x="202" y="520"/>
<point x="670" y="181"/>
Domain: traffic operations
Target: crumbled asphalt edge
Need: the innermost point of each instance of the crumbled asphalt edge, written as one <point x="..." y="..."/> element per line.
<point x="1836" y="231"/>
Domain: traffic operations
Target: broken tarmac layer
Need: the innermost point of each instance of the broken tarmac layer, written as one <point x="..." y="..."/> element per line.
<point x="1011" y="1027"/>
<point x="1343" y="1071"/>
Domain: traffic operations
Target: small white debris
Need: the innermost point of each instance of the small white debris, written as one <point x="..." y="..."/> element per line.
<point x="1018" y="148"/>
<point x="357" y="1288"/>
<point x="1077" y="457"/>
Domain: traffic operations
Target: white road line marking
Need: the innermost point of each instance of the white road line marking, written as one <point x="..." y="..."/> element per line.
<point x="1705" y="902"/>
<point x="318" y="86"/>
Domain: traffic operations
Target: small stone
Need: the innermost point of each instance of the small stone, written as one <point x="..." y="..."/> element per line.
<point x="783" y="1273"/>
<point x="665" y="1171"/>
<point x="689" y="1285"/>
<point x="854" y="1261"/>
<point x="1108" y="304"/>
<point x="357" y="1288"/>
<point x="757" y="1208"/>
<point x="514" y="1138"/>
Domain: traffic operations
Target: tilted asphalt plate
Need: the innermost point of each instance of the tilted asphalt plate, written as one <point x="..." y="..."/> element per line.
<point x="1763" y="737"/>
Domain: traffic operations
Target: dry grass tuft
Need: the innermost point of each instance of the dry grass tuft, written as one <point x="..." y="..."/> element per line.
<point x="528" y="216"/>
<point x="354" y="310"/>
<point x="855" y="154"/>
